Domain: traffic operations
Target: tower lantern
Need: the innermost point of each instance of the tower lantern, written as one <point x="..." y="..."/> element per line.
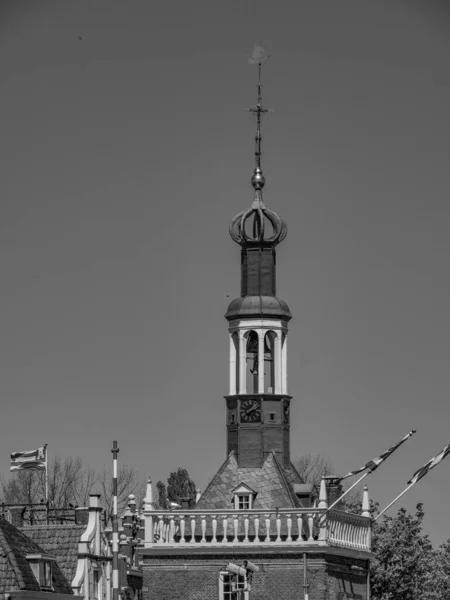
<point x="258" y="400"/>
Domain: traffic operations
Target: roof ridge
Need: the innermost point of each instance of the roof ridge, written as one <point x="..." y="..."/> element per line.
<point x="294" y="468"/>
<point x="286" y="484"/>
<point x="219" y="472"/>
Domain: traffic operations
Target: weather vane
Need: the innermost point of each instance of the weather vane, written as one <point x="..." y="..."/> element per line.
<point x="258" y="57"/>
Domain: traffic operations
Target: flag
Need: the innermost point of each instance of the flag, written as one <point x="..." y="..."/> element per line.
<point x="430" y="464"/>
<point x="259" y="56"/>
<point x="32" y="459"/>
<point x="376" y="462"/>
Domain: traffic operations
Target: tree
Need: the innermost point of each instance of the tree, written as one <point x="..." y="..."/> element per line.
<point x="312" y="468"/>
<point x="406" y="567"/>
<point x="127" y="483"/>
<point x="179" y="486"/>
<point x="69" y="484"/>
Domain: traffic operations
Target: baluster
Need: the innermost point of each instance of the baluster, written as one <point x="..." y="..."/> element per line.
<point x="182" y="526"/>
<point x="256" y="524"/>
<point x="331" y="522"/>
<point x="278" y="524"/>
<point x="214" y="529"/>
<point x="161" y="529"/>
<point x="368" y="537"/>
<point x="225" y="526"/>
<point x="246" y="522"/>
<point x="300" y="527"/>
<point x="267" y="540"/>
<point x="203" y="518"/>
<point x="171" y="528"/>
<point x="236" y="523"/>
<point x="193" y="530"/>
<point x="311" y="527"/>
<point x="289" y="528"/>
<point x="346" y="536"/>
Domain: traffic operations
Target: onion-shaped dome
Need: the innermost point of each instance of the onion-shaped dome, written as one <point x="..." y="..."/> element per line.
<point x="258" y="224"/>
<point x="258" y="306"/>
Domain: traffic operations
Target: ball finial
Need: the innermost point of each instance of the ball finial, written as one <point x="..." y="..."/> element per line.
<point x="258" y="180"/>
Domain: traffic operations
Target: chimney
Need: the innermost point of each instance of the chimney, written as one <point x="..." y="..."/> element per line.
<point x="82" y="515"/>
<point x="185" y="503"/>
<point x="334" y="489"/>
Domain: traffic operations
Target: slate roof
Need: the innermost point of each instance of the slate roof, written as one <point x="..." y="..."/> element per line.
<point x="61" y="541"/>
<point x="272" y="483"/>
<point x="15" y="571"/>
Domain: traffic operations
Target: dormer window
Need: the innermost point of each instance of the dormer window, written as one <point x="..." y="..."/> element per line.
<point x="41" y="565"/>
<point x="244" y="502"/>
<point x="305" y="492"/>
<point x="243" y="497"/>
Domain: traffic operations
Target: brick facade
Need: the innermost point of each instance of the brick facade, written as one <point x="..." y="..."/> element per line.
<point x="280" y="576"/>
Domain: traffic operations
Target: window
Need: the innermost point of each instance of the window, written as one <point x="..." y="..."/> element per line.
<point x="272" y="417"/>
<point x="96" y="580"/>
<point x="252" y="363"/>
<point x="42" y="570"/>
<point x="244" y="502"/>
<point x="233" y="418"/>
<point x="243" y="497"/>
<point x="229" y="584"/>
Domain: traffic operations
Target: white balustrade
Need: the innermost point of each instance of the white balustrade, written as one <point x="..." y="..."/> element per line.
<point x="282" y="527"/>
<point x="214" y="529"/>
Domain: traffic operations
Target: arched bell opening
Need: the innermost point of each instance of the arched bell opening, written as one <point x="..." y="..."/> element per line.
<point x="269" y="362"/>
<point x="284" y="389"/>
<point x="252" y="366"/>
<point x="234" y="367"/>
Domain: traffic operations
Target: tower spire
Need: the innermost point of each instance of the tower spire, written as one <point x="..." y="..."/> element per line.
<point x="258" y="57"/>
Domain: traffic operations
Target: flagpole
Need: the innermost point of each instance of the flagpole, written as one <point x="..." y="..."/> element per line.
<point x="46" y="482"/>
<point x="347" y="491"/>
<point x="46" y="475"/>
<point x="394" y="501"/>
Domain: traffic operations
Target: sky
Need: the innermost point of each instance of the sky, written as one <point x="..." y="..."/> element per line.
<point x="125" y="151"/>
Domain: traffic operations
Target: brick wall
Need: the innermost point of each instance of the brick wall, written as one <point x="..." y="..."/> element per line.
<point x="280" y="577"/>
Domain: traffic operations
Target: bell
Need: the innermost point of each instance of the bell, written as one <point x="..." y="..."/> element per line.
<point x="252" y="343"/>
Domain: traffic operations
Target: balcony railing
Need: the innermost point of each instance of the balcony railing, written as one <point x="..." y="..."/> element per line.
<point x="284" y="527"/>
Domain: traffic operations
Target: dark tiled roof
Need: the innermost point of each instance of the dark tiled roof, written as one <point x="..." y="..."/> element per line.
<point x="61" y="541"/>
<point x="15" y="571"/>
<point x="272" y="483"/>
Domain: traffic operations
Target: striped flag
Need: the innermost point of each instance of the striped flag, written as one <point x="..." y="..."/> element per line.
<point x="376" y="462"/>
<point x="32" y="459"/>
<point x="430" y="465"/>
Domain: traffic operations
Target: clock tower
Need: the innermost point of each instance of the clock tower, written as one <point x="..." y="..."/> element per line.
<point x="258" y="401"/>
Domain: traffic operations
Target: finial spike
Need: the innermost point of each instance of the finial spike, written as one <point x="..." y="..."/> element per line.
<point x="323" y="500"/>
<point x="365" y="502"/>
<point x="258" y="57"/>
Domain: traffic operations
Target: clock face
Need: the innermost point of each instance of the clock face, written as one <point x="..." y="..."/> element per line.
<point x="250" y="411"/>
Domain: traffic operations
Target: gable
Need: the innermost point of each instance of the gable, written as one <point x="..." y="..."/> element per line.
<point x="16" y="572"/>
<point x="272" y="484"/>
<point x="243" y="489"/>
<point x="61" y="541"/>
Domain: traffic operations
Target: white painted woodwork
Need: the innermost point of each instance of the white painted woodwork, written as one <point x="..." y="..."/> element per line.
<point x="311" y="527"/>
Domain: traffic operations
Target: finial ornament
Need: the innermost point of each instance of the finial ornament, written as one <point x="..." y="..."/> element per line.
<point x="261" y="216"/>
<point x="258" y="57"/>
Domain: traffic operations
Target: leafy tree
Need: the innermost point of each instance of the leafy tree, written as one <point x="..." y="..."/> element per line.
<point x="406" y="567"/>
<point x="179" y="486"/>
